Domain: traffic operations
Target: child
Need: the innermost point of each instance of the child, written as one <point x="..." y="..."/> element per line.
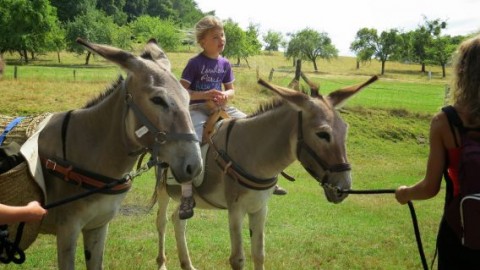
<point x="444" y="156"/>
<point x="14" y="214"/>
<point x="203" y="78"/>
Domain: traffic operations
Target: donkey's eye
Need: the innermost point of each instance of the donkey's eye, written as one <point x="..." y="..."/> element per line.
<point x="324" y="136"/>
<point x="159" y="101"/>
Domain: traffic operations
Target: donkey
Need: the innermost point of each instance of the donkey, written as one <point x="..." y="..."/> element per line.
<point x="93" y="146"/>
<point x="245" y="157"/>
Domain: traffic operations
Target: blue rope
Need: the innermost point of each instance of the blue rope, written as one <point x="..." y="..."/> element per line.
<point x="9" y="127"/>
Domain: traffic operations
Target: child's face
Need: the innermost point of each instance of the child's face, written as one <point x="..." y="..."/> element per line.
<point x="214" y="42"/>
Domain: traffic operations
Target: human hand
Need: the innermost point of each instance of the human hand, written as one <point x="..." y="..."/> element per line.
<point x="221" y="99"/>
<point x="401" y="194"/>
<point x="34" y="211"/>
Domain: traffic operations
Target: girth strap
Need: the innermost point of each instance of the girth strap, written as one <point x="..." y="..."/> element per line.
<point x="228" y="165"/>
<point x="83" y="178"/>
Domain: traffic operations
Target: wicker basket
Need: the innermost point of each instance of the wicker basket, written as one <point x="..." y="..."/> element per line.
<point x="18" y="188"/>
<point x="21" y="132"/>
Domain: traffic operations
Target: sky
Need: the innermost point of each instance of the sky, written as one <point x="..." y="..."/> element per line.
<point x="341" y="19"/>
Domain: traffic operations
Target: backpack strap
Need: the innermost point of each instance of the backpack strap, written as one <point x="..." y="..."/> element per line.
<point x="454" y="121"/>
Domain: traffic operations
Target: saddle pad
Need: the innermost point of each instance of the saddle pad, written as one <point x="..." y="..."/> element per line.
<point x="29" y="150"/>
<point x="198" y="180"/>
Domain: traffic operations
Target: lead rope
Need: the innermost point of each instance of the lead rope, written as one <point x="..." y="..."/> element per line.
<point x="412" y="213"/>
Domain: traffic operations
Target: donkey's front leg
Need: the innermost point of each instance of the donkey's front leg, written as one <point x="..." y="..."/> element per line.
<point x="182" y="248"/>
<point x="257" y="231"/>
<point x="235" y="221"/>
<point x="94" y="245"/>
<point x="67" y="235"/>
<point x="161" y="222"/>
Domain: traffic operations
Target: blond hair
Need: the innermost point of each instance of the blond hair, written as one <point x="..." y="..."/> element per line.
<point x="205" y="24"/>
<point x="466" y="83"/>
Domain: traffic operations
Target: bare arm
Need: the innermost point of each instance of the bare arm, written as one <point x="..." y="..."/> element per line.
<point x="13" y="214"/>
<point x="430" y="185"/>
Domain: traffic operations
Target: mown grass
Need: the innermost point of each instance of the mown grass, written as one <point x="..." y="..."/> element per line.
<point x="387" y="146"/>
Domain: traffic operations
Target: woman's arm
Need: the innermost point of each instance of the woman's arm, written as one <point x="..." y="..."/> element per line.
<point x="430" y="185"/>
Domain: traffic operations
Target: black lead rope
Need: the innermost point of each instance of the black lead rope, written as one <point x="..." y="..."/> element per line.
<point x="412" y="213"/>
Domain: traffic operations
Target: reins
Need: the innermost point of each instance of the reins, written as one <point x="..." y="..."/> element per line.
<point x="412" y="213"/>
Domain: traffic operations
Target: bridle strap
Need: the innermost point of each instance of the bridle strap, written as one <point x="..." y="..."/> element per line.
<point x="302" y="145"/>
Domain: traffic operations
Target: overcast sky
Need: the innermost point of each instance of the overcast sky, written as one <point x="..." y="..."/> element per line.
<point x="341" y="19"/>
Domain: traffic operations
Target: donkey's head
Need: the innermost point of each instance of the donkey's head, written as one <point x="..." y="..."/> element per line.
<point x="156" y="116"/>
<point x="321" y="135"/>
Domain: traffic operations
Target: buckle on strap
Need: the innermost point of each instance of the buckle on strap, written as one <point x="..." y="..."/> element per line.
<point x="50" y="164"/>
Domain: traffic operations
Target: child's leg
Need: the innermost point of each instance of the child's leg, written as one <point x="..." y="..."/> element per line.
<point x="187" y="203"/>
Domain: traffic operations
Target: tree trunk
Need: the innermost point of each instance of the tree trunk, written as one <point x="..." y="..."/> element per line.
<point x="383" y="67"/>
<point x="246" y="61"/>
<point x="25" y="55"/>
<point x="423" y="67"/>
<point x="58" y="57"/>
<point x="88" y="58"/>
<point x="315" y="65"/>
<point x="238" y="61"/>
<point x="443" y="71"/>
<point x="358" y="64"/>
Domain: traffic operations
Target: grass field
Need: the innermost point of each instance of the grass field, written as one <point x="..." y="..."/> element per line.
<point x="387" y="146"/>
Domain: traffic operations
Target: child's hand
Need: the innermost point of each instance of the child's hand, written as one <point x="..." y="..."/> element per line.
<point x="221" y="99"/>
<point x="34" y="211"/>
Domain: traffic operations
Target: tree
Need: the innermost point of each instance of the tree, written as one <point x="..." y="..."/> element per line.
<point x="94" y="26"/>
<point x="188" y="12"/>
<point x="162" y="9"/>
<point x="309" y="44"/>
<point x="165" y="31"/>
<point x="441" y="50"/>
<point x="114" y="8"/>
<point x="363" y="45"/>
<point x="273" y="40"/>
<point x="67" y="10"/>
<point x="422" y="39"/>
<point x="368" y="44"/>
<point x="25" y="26"/>
<point x="236" y="39"/>
<point x="135" y="9"/>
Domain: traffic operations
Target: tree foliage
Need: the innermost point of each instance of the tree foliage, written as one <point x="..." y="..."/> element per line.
<point x="309" y="45"/>
<point x="368" y="44"/>
<point x="164" y="31"/>
<point x="273" y="40"/>
<point x="27" y="26"/>
<point x="94" y="26"/>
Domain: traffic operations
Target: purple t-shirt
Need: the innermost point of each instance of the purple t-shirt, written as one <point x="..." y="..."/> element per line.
<point x="204" y="73"/>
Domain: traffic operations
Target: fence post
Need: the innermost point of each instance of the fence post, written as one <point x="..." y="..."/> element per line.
<point x="15" y="72"/>
<point x="447" y="94"/>
<point x="270" y="77"/>
<point x="74" y="75"/>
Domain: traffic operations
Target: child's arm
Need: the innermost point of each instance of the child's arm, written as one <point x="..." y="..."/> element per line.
<point x="30" y="212"/>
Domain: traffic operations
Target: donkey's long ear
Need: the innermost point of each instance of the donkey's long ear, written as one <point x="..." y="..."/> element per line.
<point x="341" y="95"/>
<point x="157" y="54"/>
<point x="297" y="98"/>
<point x="115" y="55"/>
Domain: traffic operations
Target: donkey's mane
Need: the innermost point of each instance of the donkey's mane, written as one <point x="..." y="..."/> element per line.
<point x="268" y="106"/>
<point x="105" y="93"/>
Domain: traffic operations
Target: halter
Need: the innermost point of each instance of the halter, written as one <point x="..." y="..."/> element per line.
<point x="302" y="145"/>
<point x="161" y="137"/>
